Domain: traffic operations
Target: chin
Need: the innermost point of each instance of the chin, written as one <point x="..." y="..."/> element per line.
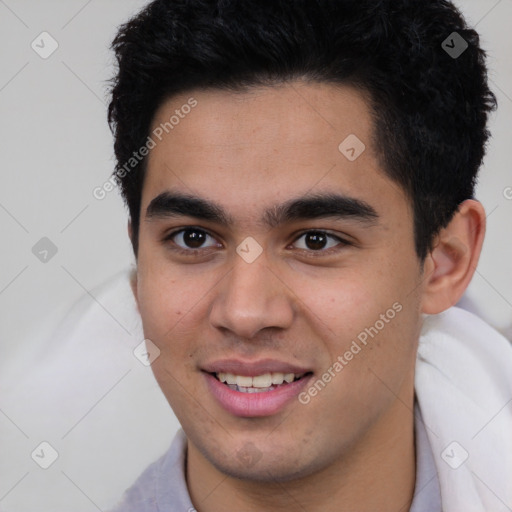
<point x="267" y="472"/>
<point x="271" y="464"/>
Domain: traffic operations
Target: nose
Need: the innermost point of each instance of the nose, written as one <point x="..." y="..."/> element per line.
<point x="252" y="297"/>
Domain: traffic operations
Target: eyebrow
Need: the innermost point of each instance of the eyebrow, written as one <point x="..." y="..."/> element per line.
<point x="315" y="206"/>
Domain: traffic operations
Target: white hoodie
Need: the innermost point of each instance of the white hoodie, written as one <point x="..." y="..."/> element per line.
<point x="464" y="389"/>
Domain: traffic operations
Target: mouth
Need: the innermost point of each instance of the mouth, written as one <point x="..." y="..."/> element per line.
<point x="258" y="384"/>
<point x="268" y="389"/>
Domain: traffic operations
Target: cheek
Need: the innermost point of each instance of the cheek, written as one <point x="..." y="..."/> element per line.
<point x="367" y="314"/>
<point x="164" y="295"/>
<point x="174" y="310"/>
<point x="345" y="300"/>
<point x="170" y="306"/>
<point x="161" y="304"/>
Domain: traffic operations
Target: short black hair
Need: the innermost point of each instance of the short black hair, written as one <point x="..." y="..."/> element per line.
<point x="430" y="107"/>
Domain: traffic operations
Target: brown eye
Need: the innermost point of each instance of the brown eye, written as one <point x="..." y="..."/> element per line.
<point x="318" y="241"/>
<point x="191" y="238"/>
<point x="315" y="240"/>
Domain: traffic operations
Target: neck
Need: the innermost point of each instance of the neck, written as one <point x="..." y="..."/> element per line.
<point x="377" y="474"/>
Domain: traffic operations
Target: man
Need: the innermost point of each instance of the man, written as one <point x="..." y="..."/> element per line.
<point x="299" y="177"/>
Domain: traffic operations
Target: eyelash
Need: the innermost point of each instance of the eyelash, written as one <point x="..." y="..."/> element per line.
<point x="310" y="253"/>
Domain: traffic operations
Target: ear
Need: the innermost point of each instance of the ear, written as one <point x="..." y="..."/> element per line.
<point x="452" y="262"/>
<point x="133" y="272"/>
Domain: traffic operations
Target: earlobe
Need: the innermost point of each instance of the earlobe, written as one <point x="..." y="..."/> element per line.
<point x="454" y="258"/>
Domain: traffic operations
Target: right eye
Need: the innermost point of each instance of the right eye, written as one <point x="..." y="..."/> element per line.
<point x="190" y="241"/>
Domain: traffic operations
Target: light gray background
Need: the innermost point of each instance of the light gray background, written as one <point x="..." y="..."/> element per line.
<point x="56" y="147"/>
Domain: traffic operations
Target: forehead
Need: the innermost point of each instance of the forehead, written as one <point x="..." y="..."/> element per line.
<point x="288" y="118"/>
<point x="266" y="145"/>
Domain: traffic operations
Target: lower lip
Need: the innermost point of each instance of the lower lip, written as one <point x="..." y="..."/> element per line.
<point x="264" y="403"/>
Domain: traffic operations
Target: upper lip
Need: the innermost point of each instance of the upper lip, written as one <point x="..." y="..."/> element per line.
<point x="253" y="368"/>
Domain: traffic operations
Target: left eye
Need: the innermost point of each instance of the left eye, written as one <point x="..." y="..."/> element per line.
<point x="318" y="240"/>
<point x="191" y="238"/>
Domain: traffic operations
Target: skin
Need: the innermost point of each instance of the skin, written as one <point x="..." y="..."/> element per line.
<point x="247" y="152"/>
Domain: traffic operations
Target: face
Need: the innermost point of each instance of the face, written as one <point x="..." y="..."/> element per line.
<point x="270" y="250"/>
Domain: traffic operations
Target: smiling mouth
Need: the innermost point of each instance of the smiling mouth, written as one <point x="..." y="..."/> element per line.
<point x="259" y="383"/>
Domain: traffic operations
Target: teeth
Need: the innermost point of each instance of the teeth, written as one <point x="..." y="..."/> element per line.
<point x="278" y="378"/>
<point x="254" y="390"/>
<point x="242" y="381"/>
<point x="234" y="387"/>
<point x="260" y="381"/>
